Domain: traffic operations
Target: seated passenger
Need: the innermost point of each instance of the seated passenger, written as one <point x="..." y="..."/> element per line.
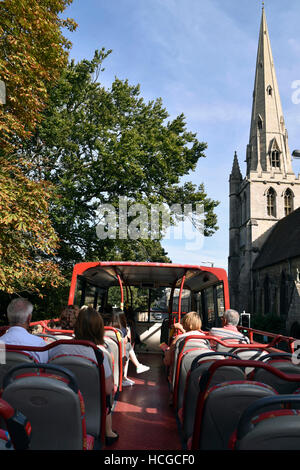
<point x="190" y="325"/>
<point x="130" y="315"/>
<point x="140" y="368"/>
<point x="230" y="320"/>
<point x="36" y="329"/>
<point x="119" y="321"/>
<point x="89" y="326"/>
<point x="19" y="313"/>
<point x="68" y="317"/>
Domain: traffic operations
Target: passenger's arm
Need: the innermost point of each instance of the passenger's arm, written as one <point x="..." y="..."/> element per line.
<point x="178" y="326"/>
<point x="109" y="385"/>
<point x="169" y="354"/>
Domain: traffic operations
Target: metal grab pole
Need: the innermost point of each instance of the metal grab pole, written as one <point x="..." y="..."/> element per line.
<point x="180" y="296"/>
<point x="122" y="292"/>
<point x="171" y="305"/>
<point x="130" y="296"/>
<point x="127" y="296"/>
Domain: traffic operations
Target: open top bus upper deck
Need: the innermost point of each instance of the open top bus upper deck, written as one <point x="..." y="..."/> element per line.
<point x="148" y="274"/>
<point x="209" y="372"/>
<point x="99" y="277"/>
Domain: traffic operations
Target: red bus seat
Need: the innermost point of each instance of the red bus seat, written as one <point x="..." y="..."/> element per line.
<point x="59" y="336"/>
<point x="187" y="342"/>
<point x="12" y="359"/>
<point x="90" y="384"/>
<point x="120" y="359"/>
<point x="250" y="354"/>
<point x="199" y="366"/>
<point x="222" y="407"/>
<point x="234" y="339"/>
<point x="284" y="365"/>
<point x="114" y="350"/>
<point x="18" y="428"/>
<point x="52" y="402"/>
<point x="209" y="414"/>
<point x="183" y="367"/>
<point x="267" y="425"/>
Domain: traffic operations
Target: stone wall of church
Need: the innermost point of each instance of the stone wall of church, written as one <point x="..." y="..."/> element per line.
<point x="250" y="227"/>
<point x="258" y="201"/>
<point x="276" y="289"/>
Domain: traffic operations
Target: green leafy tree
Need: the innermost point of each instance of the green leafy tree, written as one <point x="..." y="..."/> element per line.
<point x="95" y="145"/>
<point x="33" y="52"/>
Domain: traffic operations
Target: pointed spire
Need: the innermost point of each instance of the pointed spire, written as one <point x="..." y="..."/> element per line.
<point x="267" y="120"/>
<point x="236" y="172"/>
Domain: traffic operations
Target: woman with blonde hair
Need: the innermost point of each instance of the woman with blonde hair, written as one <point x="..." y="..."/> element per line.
<point x="190" y="325"/>
<point x="191" y="322"/>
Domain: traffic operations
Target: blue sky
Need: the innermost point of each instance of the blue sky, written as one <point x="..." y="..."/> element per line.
<point x="199" y="56"/>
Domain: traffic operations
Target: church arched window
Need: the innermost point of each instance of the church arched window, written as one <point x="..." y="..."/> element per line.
<point x="288" y="202"/>
<point x="275" y="159"/>
<point x="269" y="90"/>
<point x="271" y="202"/>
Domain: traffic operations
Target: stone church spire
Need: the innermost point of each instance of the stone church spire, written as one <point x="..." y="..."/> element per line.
<point x="268" y="149"/>
<point x="236" y="172"/>
<point x="270" y="190"/>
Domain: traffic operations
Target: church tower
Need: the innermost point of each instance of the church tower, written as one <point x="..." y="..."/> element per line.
<point x="270" y="189"/>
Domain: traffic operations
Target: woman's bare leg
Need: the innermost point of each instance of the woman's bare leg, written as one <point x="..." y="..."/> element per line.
<point x="108" y="427"/>
<point x="133" y="358"/>
<point x="126" y="369"/>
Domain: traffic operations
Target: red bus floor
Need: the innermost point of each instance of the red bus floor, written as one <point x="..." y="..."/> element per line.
<point x="142" y="415"/>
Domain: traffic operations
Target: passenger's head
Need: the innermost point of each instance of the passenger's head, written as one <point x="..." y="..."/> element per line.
<point x="89" y="325"/>
<point x="68" y="317"/>
<point x="191" y="321"/>
<point x="115" y="321"/>
<point x="19" y="312"/>
<point x="122" y="319"/>
<point x="106" y="319"/>
<point x="231" y="317"/>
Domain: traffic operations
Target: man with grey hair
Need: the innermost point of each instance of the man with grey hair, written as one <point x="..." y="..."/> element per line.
<point x="19" y="313"/>
<point x="230" y="320"/>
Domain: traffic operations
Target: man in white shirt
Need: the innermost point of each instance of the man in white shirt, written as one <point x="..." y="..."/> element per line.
<point x="19" y="313"/>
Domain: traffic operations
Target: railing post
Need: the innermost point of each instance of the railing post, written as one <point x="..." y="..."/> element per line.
<point x="122" y="292"/>
<point x="180" y="296"/>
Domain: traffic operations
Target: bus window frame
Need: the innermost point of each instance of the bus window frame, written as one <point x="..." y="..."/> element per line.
<point x="216" y="317"/>
<point x="80" y="268"/>
<point x="204" y="304"/>
<point x="97" y="293"/>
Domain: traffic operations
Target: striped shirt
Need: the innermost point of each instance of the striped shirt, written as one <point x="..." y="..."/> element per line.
<point x="228" y="331"/>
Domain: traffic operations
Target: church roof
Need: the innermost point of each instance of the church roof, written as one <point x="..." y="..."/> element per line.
<point x="282" y="243"/>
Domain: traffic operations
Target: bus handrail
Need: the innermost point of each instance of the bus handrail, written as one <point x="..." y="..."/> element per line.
<point x="276" y="337"/>
<point x="216" y="339"/>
